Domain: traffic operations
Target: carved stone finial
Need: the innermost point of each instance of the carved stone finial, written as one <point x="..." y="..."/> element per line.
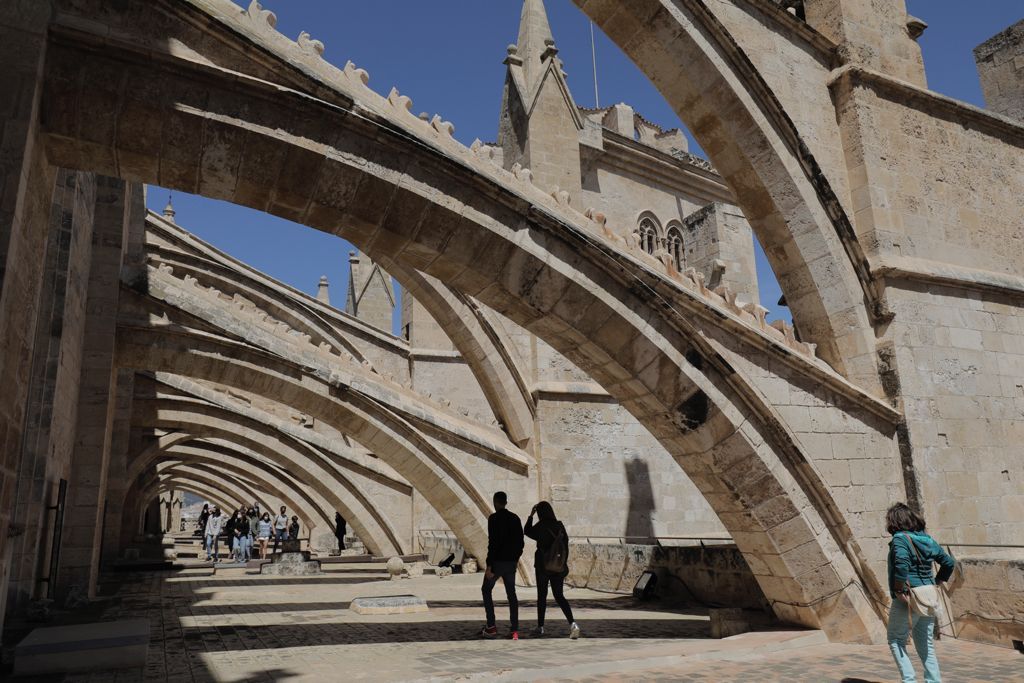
<point x="310" y="45"/>
<point x="322" y="293"/>
<point x="169" y="210"/>
<point x="441" y="126"/>
<point x="262" y="19"/>
<point x="399" y="101"/>
<point x="596" y="216"/>
<point x="521" y="173"/>
<point x="561" y="196"/>
<point x="356" y="74"/>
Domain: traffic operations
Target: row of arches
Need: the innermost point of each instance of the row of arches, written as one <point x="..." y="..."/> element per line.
<point x="393" y="188"/>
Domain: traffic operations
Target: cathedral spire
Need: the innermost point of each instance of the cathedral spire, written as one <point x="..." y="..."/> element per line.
<point x="535" y="38"/>
<point x="169" y="210"/>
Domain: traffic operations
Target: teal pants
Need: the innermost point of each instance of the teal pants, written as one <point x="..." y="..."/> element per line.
<point x="900" y="627"/>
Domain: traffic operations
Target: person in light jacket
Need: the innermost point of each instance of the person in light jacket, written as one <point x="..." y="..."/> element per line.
<point x="912" y="553"/>
<point x="264" y="534"/>
<point x="214" y="526"/>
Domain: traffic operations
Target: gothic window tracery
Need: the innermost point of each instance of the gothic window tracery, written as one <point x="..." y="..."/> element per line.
<point x="648" y="234"/>
<point x="674" y="246"/>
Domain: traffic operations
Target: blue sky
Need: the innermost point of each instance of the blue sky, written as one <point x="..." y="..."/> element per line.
<point x="447" y="56"/>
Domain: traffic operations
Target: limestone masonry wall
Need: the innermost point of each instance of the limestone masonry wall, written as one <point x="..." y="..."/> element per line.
<point x="987" y="603"/>
<point x="593" y="450"/>
<point x="1000" y="62"/>
<point x="712" y="575"/>
<point x="961" y="374"/>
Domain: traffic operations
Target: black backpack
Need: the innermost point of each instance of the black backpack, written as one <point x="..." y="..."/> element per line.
<point x="556" y="559"/>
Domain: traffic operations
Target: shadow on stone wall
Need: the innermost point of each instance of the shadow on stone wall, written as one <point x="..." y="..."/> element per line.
<point x="713" y="575"/>
<point x="639" y="526"/>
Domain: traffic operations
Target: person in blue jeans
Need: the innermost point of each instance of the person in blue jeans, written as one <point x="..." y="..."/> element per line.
<point x="504" y="547"/>
<point x="909" y="566"/>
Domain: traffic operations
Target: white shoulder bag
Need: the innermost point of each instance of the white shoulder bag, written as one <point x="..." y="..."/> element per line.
<point x="923" y="600"/>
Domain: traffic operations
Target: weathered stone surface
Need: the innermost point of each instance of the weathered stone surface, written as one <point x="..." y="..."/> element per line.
<point x="727" y="622"/>
<point x="84" y="647"/>
<point x="390" y="604"/>
<point x="1000" y="62"/>
<point x="291" y="564"/>
<point x="395" y="567"/>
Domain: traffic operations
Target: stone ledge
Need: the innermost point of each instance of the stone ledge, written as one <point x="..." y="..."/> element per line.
<point x="83" y="647"/>
<point x="389" y="604"/>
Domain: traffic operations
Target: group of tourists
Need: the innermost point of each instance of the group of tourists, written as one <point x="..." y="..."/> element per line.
<point x="246" y="526"/>
<point x="913" y="584"/>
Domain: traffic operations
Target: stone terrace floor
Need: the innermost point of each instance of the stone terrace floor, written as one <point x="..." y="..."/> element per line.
<point x="235" y="626"/>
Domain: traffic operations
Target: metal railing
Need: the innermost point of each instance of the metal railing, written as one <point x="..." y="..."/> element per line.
<point x="622" y="540"/>
<point x="657" y="540"/>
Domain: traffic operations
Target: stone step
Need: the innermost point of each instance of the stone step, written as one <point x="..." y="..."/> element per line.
<point x="83" y="647"/>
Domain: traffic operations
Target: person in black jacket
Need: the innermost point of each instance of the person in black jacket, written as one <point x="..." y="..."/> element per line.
<point x="504" y="548"/>
<point x="547" y="531"/>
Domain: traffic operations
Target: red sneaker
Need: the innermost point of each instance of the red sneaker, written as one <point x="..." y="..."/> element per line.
<point x="515" y="635"/>
<point x="489" y="632"/>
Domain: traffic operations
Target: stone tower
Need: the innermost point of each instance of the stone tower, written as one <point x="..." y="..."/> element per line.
<point x="540" y="122"/>
<point x="370" y="295"/>
<point x="1000" y="62"/>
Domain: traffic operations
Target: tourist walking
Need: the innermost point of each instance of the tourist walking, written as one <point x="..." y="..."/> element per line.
<point x="263" y="535"/>
<point x="243" y="537"/>
<point x="201" y="521"/>
<point x="339" y="530"/>
<point x="504" y="548"/>
<point x="229" y="530"/>
<point x="280" y="527"/>
<point x="551" y="563"/>
<point x="912" y="553"/>
<point x="214" y="527"/>
<point x="253" y="520"/>
<point x="239" y="552"/>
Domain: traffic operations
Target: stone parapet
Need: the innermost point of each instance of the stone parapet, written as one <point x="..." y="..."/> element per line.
<point x="986" y="602"/>
<point x="705" y="574"/>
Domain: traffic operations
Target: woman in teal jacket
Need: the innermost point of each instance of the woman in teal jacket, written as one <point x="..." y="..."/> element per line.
<point x="912" y="566"/>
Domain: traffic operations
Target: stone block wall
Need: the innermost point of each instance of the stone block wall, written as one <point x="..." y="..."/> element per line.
<point x="961" y="375"/>
<point x="448" y="379"/>
<point x="592" y="449"/>
<point x="1000" y="62"/>
<point x="712" y="575"/>
<point x="987" y="604"/>
<point x="928" y="192"/>
<point x="45" y="450"/>
<point x="718" y="241"/>
<point x="929" y="189"/>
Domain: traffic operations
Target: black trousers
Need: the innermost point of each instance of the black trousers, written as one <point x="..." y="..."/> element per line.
<point x="557" y="589"/>
<point x="506" y="571"/>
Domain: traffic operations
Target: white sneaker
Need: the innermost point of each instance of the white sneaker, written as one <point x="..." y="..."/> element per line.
<point x="574" y="631"/>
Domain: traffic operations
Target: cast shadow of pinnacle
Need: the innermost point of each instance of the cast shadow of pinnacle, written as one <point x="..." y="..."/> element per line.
<point x="639" y="527"/>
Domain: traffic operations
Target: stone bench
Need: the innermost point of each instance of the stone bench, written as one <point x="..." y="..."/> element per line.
<point x="83" y="647"/>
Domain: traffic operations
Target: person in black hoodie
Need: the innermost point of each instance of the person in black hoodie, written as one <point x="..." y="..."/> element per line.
<point x="504" y="548"/>
<point x="548" y="531"/>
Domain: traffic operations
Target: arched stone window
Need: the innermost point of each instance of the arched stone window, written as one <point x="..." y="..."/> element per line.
<point x="674" y="246"/>
<point x="648" y="231"/>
